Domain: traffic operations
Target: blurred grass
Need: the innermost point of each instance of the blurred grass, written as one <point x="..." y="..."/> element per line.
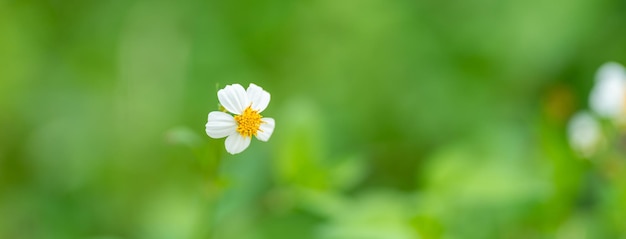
<point x="395" y="119"/>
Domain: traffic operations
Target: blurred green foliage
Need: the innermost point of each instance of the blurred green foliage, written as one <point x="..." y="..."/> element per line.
<point x="395" y="119"/>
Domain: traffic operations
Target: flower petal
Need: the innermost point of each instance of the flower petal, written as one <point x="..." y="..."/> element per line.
<point x="234" y="98"/>
<point x="259" y="97"/>
<point x="607" y="96"/>
<point x="235" y="143"/>
<point x="584" y="133"/>
<point x="220" y="125"/>
<point x="266" y="129"/>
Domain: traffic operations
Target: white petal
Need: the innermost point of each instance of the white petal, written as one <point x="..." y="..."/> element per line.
<point x="234" y="98"/>
<point x="266" y="129"/>
<point x="220" y="125"/>
<point x="235" y="143"/>
<point x="608" y="95"/>
<point x="584" y="133"/>
<point x="610" y="70"/>
<point x="259" y="97"/>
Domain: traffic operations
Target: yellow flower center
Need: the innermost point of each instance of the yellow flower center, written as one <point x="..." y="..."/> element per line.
<point x="248" y="123"/>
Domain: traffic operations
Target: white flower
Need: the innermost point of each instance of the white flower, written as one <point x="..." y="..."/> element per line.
<point x="608" y="96"/>
<point x="246" y="105"/>
<point x="584" y="133"/>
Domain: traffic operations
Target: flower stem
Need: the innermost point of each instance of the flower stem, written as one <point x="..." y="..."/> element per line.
<point x="215" y="188"/>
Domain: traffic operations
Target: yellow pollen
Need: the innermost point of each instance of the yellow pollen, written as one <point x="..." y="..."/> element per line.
<point x="248" y="122"/>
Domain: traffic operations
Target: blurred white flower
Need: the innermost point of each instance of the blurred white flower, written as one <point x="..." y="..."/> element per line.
<point x="608" y="96"/>
<point x="246" y="105"/>
<point x="584" y="133"/>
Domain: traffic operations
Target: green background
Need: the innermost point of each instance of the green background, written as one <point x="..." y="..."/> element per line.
<point x="394" y="119"/>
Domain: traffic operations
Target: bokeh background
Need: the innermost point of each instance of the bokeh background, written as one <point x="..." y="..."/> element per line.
<point x="395" y="119"/>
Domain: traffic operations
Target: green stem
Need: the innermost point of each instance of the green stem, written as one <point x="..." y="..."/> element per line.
<point x="214" y="184"/>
